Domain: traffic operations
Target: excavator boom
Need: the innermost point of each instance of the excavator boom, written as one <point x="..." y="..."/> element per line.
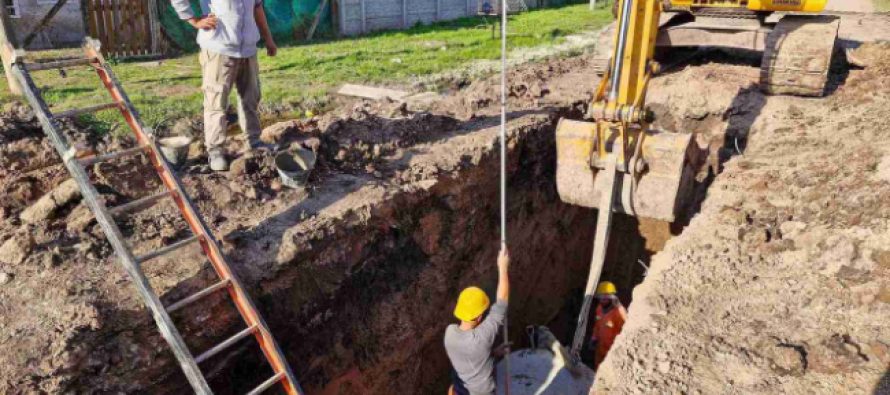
<point x="654" y="165"/>
<point x="615" y="161"/>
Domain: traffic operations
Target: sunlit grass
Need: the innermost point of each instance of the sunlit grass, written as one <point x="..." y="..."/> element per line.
<point x="301" y="76"/>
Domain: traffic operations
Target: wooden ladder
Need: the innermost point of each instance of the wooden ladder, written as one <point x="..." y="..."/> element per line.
<point x="77" y="162"/>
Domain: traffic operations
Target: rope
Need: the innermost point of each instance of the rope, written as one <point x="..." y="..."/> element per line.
<point x="504" y="174"/>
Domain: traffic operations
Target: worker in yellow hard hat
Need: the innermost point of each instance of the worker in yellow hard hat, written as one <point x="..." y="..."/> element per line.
<point x="469" y="344"/>
<point x="610" y="318"/>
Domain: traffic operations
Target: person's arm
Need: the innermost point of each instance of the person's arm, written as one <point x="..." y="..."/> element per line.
<point x="503" y="293"/>
<point x="488" y="329"/>
<point x="184" y="11"/>
<point x="263" y="24"/>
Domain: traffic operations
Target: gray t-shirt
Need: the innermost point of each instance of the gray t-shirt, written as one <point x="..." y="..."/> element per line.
<point x="470" y="351"/>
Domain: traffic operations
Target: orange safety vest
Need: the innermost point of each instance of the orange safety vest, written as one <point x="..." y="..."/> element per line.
<point x="606" y="327"/>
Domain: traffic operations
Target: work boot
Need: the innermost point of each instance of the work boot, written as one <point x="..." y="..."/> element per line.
<point x="217" y="160"/>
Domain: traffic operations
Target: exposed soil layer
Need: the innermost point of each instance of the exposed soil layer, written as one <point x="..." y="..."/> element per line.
<point x="780" y="284"/>
<point x="358" y="277"/>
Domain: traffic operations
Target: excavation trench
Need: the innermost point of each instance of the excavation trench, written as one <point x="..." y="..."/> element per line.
<point x="360" y="303"/>
<point x="357" y="281"/>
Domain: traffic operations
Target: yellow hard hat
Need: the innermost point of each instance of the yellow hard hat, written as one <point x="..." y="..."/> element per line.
<point x="606" y="288"/>
<point x="471" y="303"/>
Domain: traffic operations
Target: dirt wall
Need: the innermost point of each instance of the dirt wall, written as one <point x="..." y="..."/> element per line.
<point x="780" y="284"/>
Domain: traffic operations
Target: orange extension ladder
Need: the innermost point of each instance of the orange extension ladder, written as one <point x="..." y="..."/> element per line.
<point x="76" y="163"/>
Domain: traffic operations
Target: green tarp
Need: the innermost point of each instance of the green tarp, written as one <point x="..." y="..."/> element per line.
<point x="289" y="21"/>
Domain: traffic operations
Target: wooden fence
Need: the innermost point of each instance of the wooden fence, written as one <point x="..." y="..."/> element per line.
<point x="126" y="28"/>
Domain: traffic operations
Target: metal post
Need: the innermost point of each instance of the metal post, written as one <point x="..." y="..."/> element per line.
<point x="504" y="174"/>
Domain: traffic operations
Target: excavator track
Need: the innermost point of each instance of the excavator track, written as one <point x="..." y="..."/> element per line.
<point x="798" y="55"/>
<point x="738" y="13"/>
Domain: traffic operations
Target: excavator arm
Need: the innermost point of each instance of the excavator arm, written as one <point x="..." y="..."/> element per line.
<point x="615" y="161"/>
<point x="652" y="163"/>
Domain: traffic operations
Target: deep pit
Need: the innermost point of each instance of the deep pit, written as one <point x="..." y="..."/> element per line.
<point x="357" y="281"/>
<point x="367" y="315"/>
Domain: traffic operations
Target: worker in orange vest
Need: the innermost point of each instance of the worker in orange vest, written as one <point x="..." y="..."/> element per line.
<point x="610" y="318"/>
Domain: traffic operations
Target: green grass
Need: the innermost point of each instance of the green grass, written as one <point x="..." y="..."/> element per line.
<point x="882" y="5"/>
<point x="301" y="76"/>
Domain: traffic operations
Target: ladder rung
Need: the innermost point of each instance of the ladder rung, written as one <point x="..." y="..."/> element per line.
<point x="222" y="346"/>
<point x="137" y="204"/>
<point x="87" y="110"/>
<point x="58" y="64"/>
<point x="198" y="295"/>
<point x="170" y="248"/>
<point x="266" y="384"/>
<point x="93" y="159"/>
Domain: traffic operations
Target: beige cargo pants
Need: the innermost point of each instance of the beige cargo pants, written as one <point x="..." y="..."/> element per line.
<point x="220" y="74"/>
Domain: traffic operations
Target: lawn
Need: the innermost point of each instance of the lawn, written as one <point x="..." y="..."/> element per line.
<point x="301" y="76"/>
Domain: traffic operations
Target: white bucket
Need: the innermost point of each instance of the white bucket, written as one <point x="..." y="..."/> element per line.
<point x="175" y="149"/>
<point x="294" y="167"/>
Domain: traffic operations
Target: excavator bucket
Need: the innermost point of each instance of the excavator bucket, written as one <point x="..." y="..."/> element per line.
<point x="658" y="191"/>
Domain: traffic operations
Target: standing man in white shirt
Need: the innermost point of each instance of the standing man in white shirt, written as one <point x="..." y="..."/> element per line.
<point x="228" y="32"/>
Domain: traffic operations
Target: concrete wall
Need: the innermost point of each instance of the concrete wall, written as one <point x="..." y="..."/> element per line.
<point x="66" y="28"/>
<point x="363" y="16"/>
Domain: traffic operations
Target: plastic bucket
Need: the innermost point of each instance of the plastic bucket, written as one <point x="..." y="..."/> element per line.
<point x="175" y="149"/>
<point x="294" y="167"/>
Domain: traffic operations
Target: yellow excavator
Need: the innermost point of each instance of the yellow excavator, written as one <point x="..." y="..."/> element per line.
<point x="616" y="162"/>
<point x="797" y="44"/>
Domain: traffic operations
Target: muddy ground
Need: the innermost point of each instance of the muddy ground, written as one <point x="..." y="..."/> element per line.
<point x="779" y="283"/>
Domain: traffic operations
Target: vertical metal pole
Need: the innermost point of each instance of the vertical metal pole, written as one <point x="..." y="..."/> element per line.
<point x="504" y="172"/>
<point x="503" y="130"/>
